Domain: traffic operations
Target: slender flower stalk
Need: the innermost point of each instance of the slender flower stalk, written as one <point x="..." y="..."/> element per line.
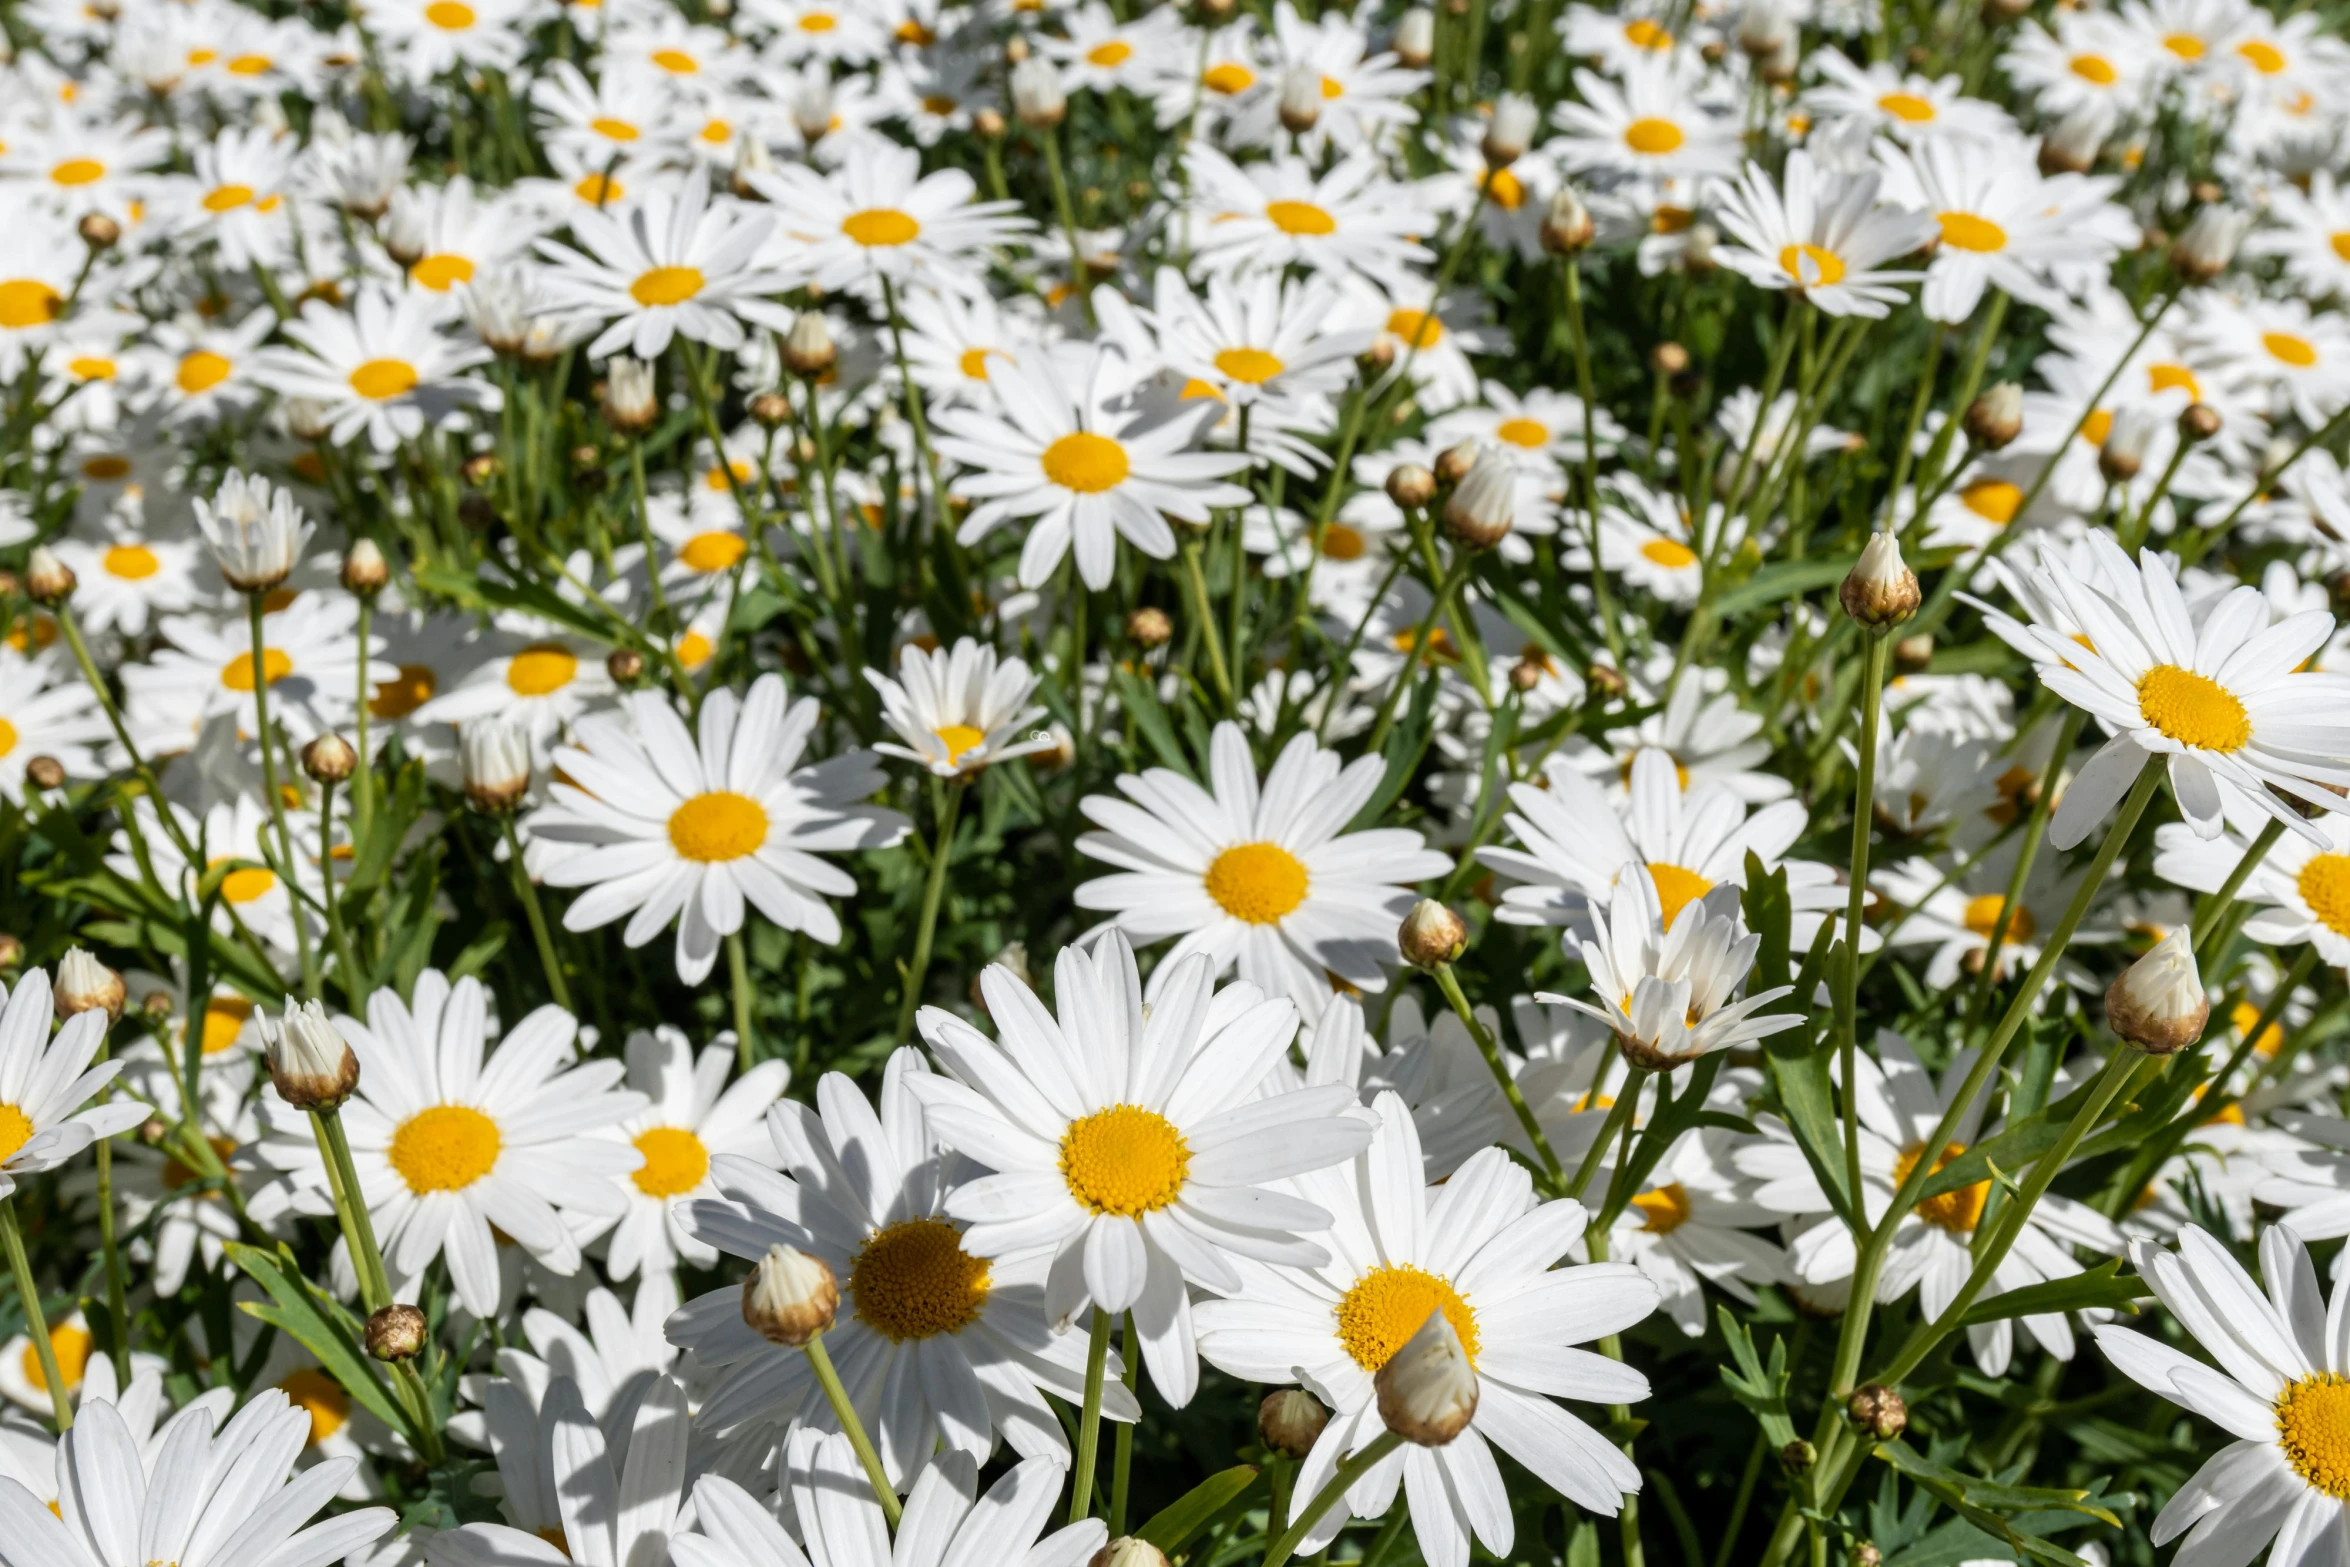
<point x="946" y="805"/>
<point x="36" y="1322"/>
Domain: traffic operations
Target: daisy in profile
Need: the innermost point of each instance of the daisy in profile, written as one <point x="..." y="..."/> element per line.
<point x="942" y="1345"/>
<point x="1259" y="875"/>
<point x="1479" y="1249"/>
<point x="1272" y="215"/>
<point x="660" y="828"/>
<point x="45" y="1083"/>
<point x="383" y="370"/>
<point x="1649" y="127"/>
<point x="46" y="711"/>
<point x="879" y="218"/>
<point x="1057" y="452"/>
<point x="205" y="670"/>
<point x="1147" y="1160"/>
<point x="665" y="266"/>
<point x="957" y="711"/>
<point x="1821" y="233"/>
<point x="450" y="1138"/>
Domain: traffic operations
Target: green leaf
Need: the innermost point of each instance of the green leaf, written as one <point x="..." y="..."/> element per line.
<point x="1762" y="1391"/>
<point x="1182" y="1520"/>
<point x="2103" y="1285"/>
<point x="1783" y="581"/>
<point x="1980" y="1496"/>
<point x="294" y="1309"/>
<point x="1142" y="703"/>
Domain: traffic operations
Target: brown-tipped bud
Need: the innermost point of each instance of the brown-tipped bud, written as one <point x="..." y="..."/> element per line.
<point x="45" y="772"/>
<point x="1016" y="50"/>
<point x="365" y="571"/>
<point x="495" y="758"/>
<point x="2123" y="456"/>
<point x="771" y="409"/>
<point x="1428" y="1390"/>
<point x="1605" y="679"/>
<point x="630" y="403"/>
<point x="396" y="1333"/>
<point x="1431" y="934"/>
<point x="1129" y="1550"/>
<point x="1510" y="130"/>
<point x="2159" y="1003"/>
<point x="1866" y="1554"/>
<point x="1879" y="1411"/>
<point x="1881" y="591"/>
<point x="1567" y="226"/>
<point x="807" y="348"/>
<point x="1668" y="359"/>
<point x="86" y="985"/>
<point x="1300" y="101"/>
<point x="1415" y="37"/>
<point x="625" y="665"/>
<point x="789" y="1297"/>
<point x="2198" y="422"/>
<point x="1454" y="462"/>
<point x="329" y="759"/>
<point x="1376" y="360"/>
<point x="1797" y="1457"/>
<point x="1995" y="418"/>
<point x="1291" y="1421"/>
<point x="2072" y="144"/>
<point x="99" y="231"/>
<point x="988" y="123"/>
<point x="11" y="951"/>
<point x="46" y="578"/>
<point x="2208" y="246"/>
<point x="480" y="468"/>
<point x="1914" y="653"/>
<point x="1483" y="507"/>
<point x="1150" y="627"/>
<point x="1528" y="671"/>
<point x="1038" y="98"/>
<point x="157" y="1005"/>
<point x="1411" y="486"/>
<point x="310" y="1064"/>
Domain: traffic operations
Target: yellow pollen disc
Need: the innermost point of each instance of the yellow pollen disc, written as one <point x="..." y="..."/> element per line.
<point x="693" y="650"/>
<point x="201" y="371"/>
<point x="1086" y="462"/>
<point x="2095" y="68"/>
<point x="224" y="1020"/>
<point x="2299" y="352"/>
<point x="914" y="1280"/>
<point x="1416" y="328"/>
<point x="78" y="171"/>
<point x="2340" y="242"/>
<point x="712" y="828"/>
<point x="1982" y="914"/>
<point x="1671" y="220"/>
<point x="1521" y="431"/>
<point x="1257" y="882"/>
<point x="973" y="363"/>
<point x="714" y="551"/>
<point x="2313" y="1430"/>
<point x="553" y="1534"/>
<point x="1332" y="87"/>
<point x="450" y="16"/>
<point x="666" y="286"/>
<point x="1252" y="365"/>
<point x="1958" y="1211"/>
<point x="1993" y="500"/>
<point x="1116" y="51"/>
<point x="959" y="738"/>
<point x="1340" y="542"/>
<point x="2324" y="884"/>
<point x="1644" y="34"/>
<point x="597" y="190"/>
<point x="1195" y="389"/>
<point x="71" y="1346"/>
<point x="2167" y="377"/>
<point x="881" y="228"/>
<point x="445" y="1149"/>
<point x="1228" y="78"/>
<point x="237" y="675"/>
<point x="25" y="302"/>
<point x="1124" y="1161"/>
<point x="1826" y="268"/>
<point x="675" y="61"/>
<point x="380" y="380"/>
<point x="402" y="693"/>
<point x="2262" y="56"/>
<point x="542" y="668"/>
<point x="675" y="1162"/>
<point x="1965" y="231"/>
<point x="1654" y="137"/>
<point x="240" y="887"/>
<point x="320" y="1397"/>
<point x="1671" y="554"/>
<point x="2185" y="45"/>
<point x="131" y="562"/>
<point x="2195" y="710"/>
<point x="1439" y="642"/>
<point x="2246" y="1014"/>
<point x="16" y="1129"/>
<point x="442" y="272"/>
<point x="1906" y="107"/>
<point x="610" y="129"/>
<point x="819" y="22"/>
<point x="1391" y="1303"/>
<point x="1664" y="1210"/>
<point x="1505" y="190"/>
<point x="1299" y="217"/>
<point x="915" y="33"/>
<point x="227" y="198"/>
<point x="1676" y="888"/>
<point x="8" y="737"/>
<point x="91" y="368"/>
<point x="2097" y="426"/>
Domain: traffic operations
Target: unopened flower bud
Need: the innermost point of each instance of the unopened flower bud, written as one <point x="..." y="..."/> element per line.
<point x="1880" y="591"/>
<point x="1415" y="37"/>
<point x="310" y="1064"/>
<point x="2208" y="246"/>
<point x="789" y="1297"/>
<point x="625" y="665"/>
<point x="1878" y="1410"/>
<point x="1431" y="934"/>
<point x="1527" y="672"/>
<point x="365" y="571"/>
<point x="2071" y="145"/>
<point x="1698" y="245"/>
<point x="495" y="756"/>
<point x="988" y="124"/>
<point x="1995" y="418"/>
<point x="1914" y="653"/>
<point x="1668" y="359"/>
<point x="1865" y="1552"/>
<point x="1291" y="1421"/>
<point x="1567" y="227"/>
<point x="86" y="985"/>
<point x="1410" y="486"/>
<point x="2123" y="455"/>
<point x="1038" y="97"/>
<point x="1765" y="27"/>
<point x="1484" y="506"/>
<point x="308" y="418"/>
<point x="1129" y="1550"/>
<point x="1797" y="1457"/>
<point x="2159" y="1003"/>
<point x="99" y="231"/>
<point x="44" y="772"/>
<point x="396" y="1333"/>
<point x="1150" y="627"/>
<point x="49" y="580"/>
<point x="771" y="409"/>
<point x="329" y="759"/>
<point x="807" y="348"/>
<point x="2199" y="422"/>
<point x="1301" y="100"/>
<point x="1428" y="1390"/>
<point x="1511" y="130"/>
<point x="630" y="405"/>
<point x="11" y="951"/>
<point x="1605" y="679"/>
<point x="1454" y="462"/>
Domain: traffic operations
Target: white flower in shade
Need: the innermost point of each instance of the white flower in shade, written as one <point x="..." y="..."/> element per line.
<point x="1693" y="1226"/>
<point x="46" y="711"/>
<point x="45" y="1082"/>
<point x="1268" y="216"/>
<point x="1252" y="338"/>
<point x="691" y="1117"/>
<point x="1822" y="233"/>
<point x="1262" y="876"/>
<point x="959" y="710"/>
<point x="450" y="1138"/>
<point x="1478" y="1249"/>
<point x="879" y="218"/>
<point x="384" y="369"/>
<point x="1652" y="126"/>
<point x="665" y="266"/>
<point x="1140" y="1149"/>
<point x="939" y="1345"/>
<point x="611" y="1364"/>
<point x="660" y="827"/>
<point x="2299" y="891"/>
<point x="2223" y="699"/>
<point x="254" y="529"/>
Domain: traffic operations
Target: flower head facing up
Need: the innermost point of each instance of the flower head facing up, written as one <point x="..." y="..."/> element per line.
<point x="255" y="531"/>
<point x="956" y="710"/>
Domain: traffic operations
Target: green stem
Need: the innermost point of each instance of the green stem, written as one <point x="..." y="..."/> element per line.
<point x="353" y="987"/>
<point x="946" y="803"/>
<point x="1571" y="267"/>
<point x="117" y="1291"/>
<point x="1619" y="1120"/>
<point x="1089" y="1421"/>
<point x="1122" y="1463"/>
<point x="1050" y="136"/>
<point x="375" y="1288"/>
<point x="1449" y="982"/>
<point x="1864" y="798"/>
<point x="2035" y="830"/>
<point x="529" y="894"/>
<point x="255" y="608"/>
<point x="738" y="979"/>
<point x="1332" y="1492"/>
<point x="1207" y="622"/>
<point x="36" y="1323"/>
<point x="820" y="1360"/>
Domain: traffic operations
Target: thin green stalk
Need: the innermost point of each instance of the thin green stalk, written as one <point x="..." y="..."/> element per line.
<point x="946" y="803"/>
<point x="1089" y="1421"/>
<point x="1571" y="268"/>
<point x="255" y="608"/>
<point x="1449" y="982"/>
<point x="2215" y="909"/>
<point x="353" y="988"/>
<point x="738" y="980"/>
<point x="820" y="1360"/>
<point x="1050" y="137"/>
<point x="71" y="627"/>
<point x="1207" y="622"/>
<point x="1122" y="1464"/>
<point x="914" y="413"/>
<point x="1332" y="1492"/>
<point x="2035" y="829"/>
<point x="1909" y="431"/>
<point x="362" y="778"/>
<point x="1619" y="1120"/>
<point x="375" y="1288"/>
<point x="529" y="894"/>
<point x="36" y="1322"/>
<point x="118" y="1346"/>
<point x="1864" y="799"/>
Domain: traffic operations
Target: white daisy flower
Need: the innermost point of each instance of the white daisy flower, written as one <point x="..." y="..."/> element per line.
<point x="610" y="1364"/>
<point x="384" y="369"/>
<point x="1268" y="216"/>
<point x="46" y="1082"/>
<point x="252" y="897"/>
<point x="1910" y="108"/>
<point x="957" y="711"/>
<point x="427" y="37"/>
<point x="2300" y="890"/>
<point x="309" y="663"/>
<point x="1693" y="1226"/>
<point x="1823" y="234"/>
<point x="2003" y="226"/>
<point x="1651" y="126"/>
<point x="542" y="681"/>
<point x="45" y="710"/>
<point x="662" y="266"/>
<point x="2289" y="357"/>
<point x="879" y="217"/>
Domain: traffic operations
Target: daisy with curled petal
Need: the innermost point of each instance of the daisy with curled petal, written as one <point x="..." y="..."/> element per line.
<point x="1651" y="126"/>
<point x="384" y="369"/>
<point x="2003" y="225"/>
<point x="878" y="218"/>
<point x="1141" y="1150"/>
<point x="45" y="1082"/>
<point x="957" y="711"/>
<point x="1262" y="876"/>
<point x="939" y="1344"/>
<point x="1058" y="451"/>
<point x="1822" y="234"/>
<point x="1272" y="215"/>
<point x="1478" y="1248"/>
<point x="660" y="826"/>
<point x="449" y="1138"/>
<point x="666" y="266"/>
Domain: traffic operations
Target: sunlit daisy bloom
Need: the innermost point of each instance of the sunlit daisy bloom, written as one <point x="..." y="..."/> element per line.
<point x="2002" y="225"/>
<point x="1267" y="216"/>
<point x="828" y="30"/>
<point x="2299" y="889"/>
<point x="85" y="1371"/>
<point x="431" y="36"/>
<point x="1823" y="234"/>
<point x="46" y="1082"/>
<point x="1265" y="877"/>
<point x="1354" y="549"/>
<point x="2191" y="36"/>
<point x="942" y="1343"/>
<point x="665" y="266"/>
<point x="692" y="1115"/>
<point x="1479" y="1249"/>
<point x="28" y="1450"/>
<point x="309" y="662"/>
<point x="1645" y="538"/>
<point x="236" y="198"/>
<point x="1956" y="917"/>
<point x="2226" y="703"/>
<point x="542" y="682"/>
<point x="688" y="58"/>
<point x="703" y="544"/>
<point x="1986" y="501"/>
<point x="2158" y="385"/>
<point x="204" y="370"/>
<point x="1101" y="52"/>
<point x="956" y="711"/>
<point x="1254" y="337"/>
<point x="1146" y="1160"/>
<point x="252" y="895"/>
<point x="611" y="1360"/>
<point x="77" y="165"/>
<point x="1692" y="1227"/>
<point x="625" y="114"/>
<point x="1365" y="96"/>
<point x="659" y="827"/>
<point x="2278" y="347"/>
<point x="450" y="234"/>
<point x="1542" y="425"/>
<point x="1622" y="41"/>
<point x="2310" y="230"/>
<point x="1233" y="75"/>
<point x="1651" y="126"/>
<point x="1908" y="107"/>
<point x="40" y="263"/>
<point x="1057" y="451"/>
<point x="953" y="340"/>
<point x="450" y="1138"/>
<point x="879" y="217"/>
<point x="127" y="578"/>
<point x="46" y="711"/>
<point x="383" y="369"/>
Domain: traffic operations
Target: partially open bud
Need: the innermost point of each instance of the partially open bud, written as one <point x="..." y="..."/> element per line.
<point x="1528" y="671"/>
<point x="329" y="759"/>
<point x="1291" y="1421"/>
<point x="1431" y="934"/>
<point x="1427" y="1390"/>
<point x="790" y="1297"/>
<point x="1878" y="1410"/>
<point x="1129" y="1551"/>
<point x="2123" y="456"/>
<point x="1150" y="627"/>
<point x="1567" y="228"/>
<point x="44" y="772"/>
<point x="1454" y="462"/>
<point x="1995" y="418"/>
<point x="86" y="985"/>
<point x="1765" y="28"/>
<point x="771" y="409"/>
<point x="495" y="756"/>
<point x="1605" y="679"/>
<point x="46" y="578"/>
<point x="2198" y="422"/>
<point x="310" y="1064"/>
<point x="396" y="1333"/>
<point x="2070" y="146"/>
<point x="1301" y="100"/>
<point x="1038" y="97"/>
<point x="1415" y="37"/>
<point x="808" y="348"/>
<point x="630" y="405"/>
<point x="1881" y="591"/>
<point x="1484" y="506"/>
<point x="1410" y="486"/>
<point x="365" y="571"/>
<point x="2208" y="246"/>
<point x="2159" y="1003"/>
<point x="1510" y="131"/>
<point x="1998" y="13"/>
<point x="99" y="231"/>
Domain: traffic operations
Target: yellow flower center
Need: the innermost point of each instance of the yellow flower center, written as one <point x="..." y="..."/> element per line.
<point x="237" y="674"/>
<point x="224" y="1019"/>
<point x="611" y="129"/>
<point x="1117" y="51"/>
<point x="1257" y="882"/>
<point x="675" y="1162"/>
<point x="1252" y="365"/>
<point x="1086" y="462"/>
<point x="1676" y="888"/>
<point x="131" y="562"/>
<point x="1956" y="1211"/>
<point x="243" y="886"/>
<point x="320" y="1397"/>
<point x="1645" y="34"/>
<point x="2313" y="1428"/>
<point x="597" y="190"/>
<point x="959" y="738"/>
<point x="8" y="737"/>
<point x="1392" y="1302"/>
<point x="880" y="228"/>
<point x="248" y="65"/>
<point x="914" y="1280"/>
<point x="2262" y="56"/>
<point x="1228" y="78"/>
<point x="2195" y="710"/>
<point x="2097" y="426"/>
<point x="1825" y="269"/>
<point x="450" y="16"/>
<point x="1416" y="328"/>
<point x="1664" y="1210"/>
<point x="1982" y="914"/>
<point x="675" y="61"/>
<point x="1671" y="554"/>
<point x="442" y="272"/>
<point x="445" y="1148"/>
<point x="1993" y="500"/>
<point x="713" y="828"/>
<point x="1299" y="217"/>
<point x="2185" y="45"/>
<point x="1505" y="190"/>
<point x="2324" y="884"/>
<point x="2095" y="68"/>
<point x="1906" y="107"/>
<point x="201" y="371"/>
<point x="227" y="198"/>
<point x="1965" y="231"/>
<point x="16" y="1129"/>
<point x="2245" y="1014"/>
<point x="381" y="380"/>
<point x="693" y="650"/>
<point x="717" y="550"/>
<point x="2299" y="352"/>
<point x="1522" y="431"/>
<point x="1340" y="542"/>
<point x="91" y="367"/>
<point x="404" y="692"/>
<point x="1125" y="1161"/>
<point x="666" y="286"/>
<point x="1654" y="137"/>
<point x="541" y="668"/>
<point x="819" y="22"/>
<point x="71" y="1346"/>
<point x="78" y="171"/>
<point x="973" y="363"/>
<point x="25" y="302"/>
